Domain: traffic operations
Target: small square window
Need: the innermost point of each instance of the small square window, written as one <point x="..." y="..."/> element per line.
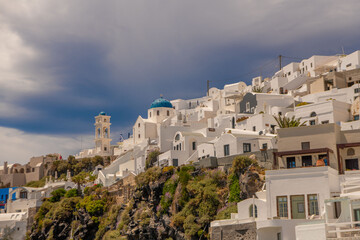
<point x="246" y="147"/>
<point x="305" y="145"/>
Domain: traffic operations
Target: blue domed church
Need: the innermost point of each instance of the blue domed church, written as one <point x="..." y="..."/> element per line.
<point x="146" y="129"/>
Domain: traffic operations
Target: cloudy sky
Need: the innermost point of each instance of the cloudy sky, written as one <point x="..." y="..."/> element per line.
<point x="62" y="62"/>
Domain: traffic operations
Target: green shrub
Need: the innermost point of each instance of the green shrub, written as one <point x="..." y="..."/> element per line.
<point x="150" y="175"/>
<point x="234" y="188"/>
<point x="57" y="195"/>
<point x="36" y="184"/>
<point x="168" y="194"/>
<point x="95" y="207"/>
<point x="191" y="227"/>
<point x="225" y="213"/>
<point x="71" y="193"/>
<point x="241" y="163"/>
<point x="44" y="209"/>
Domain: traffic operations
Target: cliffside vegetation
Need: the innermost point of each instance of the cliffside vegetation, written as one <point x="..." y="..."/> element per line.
<point x="168" y="203"/>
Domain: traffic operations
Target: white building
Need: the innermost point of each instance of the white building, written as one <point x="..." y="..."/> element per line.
<point x="234" y="142"/>
<point x="13" y="225"/>
<point x="331" y="111"/>
<point x="291" y="197"/>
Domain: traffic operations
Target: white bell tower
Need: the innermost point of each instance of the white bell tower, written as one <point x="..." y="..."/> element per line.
<point x="102" y="134"/>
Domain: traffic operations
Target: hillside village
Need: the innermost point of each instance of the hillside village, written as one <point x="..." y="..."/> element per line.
<point x="300" y="128"/>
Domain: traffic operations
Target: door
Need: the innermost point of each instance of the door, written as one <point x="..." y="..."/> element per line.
<point x="297" y="207"/>
<point x="290" y="162"/>
<point x="306" y="161"/>
<point x="352" y="164"/>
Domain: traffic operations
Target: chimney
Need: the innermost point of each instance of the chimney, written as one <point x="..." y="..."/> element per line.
<point x="5" y="168"/>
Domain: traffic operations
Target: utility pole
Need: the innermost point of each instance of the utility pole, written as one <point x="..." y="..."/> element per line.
<point x="280" y="62"/>
<point x="208" y="86"/>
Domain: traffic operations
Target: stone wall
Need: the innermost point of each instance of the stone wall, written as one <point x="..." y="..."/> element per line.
<point x="31" y="217"/>
<point x="264" y="158"/>
<point x="123" y="189"/>
<point x="246" y="231"/>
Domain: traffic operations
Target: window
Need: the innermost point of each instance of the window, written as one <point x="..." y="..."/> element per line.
<point x="193" y="145"/>
<point x="105" y="148"/>
<point x="264" y="146"/>
<point x="311" y="65"/>
<point x="350" y="152"/>
<point x="313" y="204"/>
<point x="289" y="73"/>
<point x="282" y="206"/>
<point x="226" y="150"/>
<point x="252" y="211"/>
<point x="356" y="90"/>
<point x="305" y="145"/>
<point x="246" y="147"/>
<point x="325" y="122"/>
<point x="348" y="65"/>
<point x="138" y="135"/>
<point x="23" y="194"/>
<point x="158" y="112"/>
<point x="177" y="147"/>
<point x="180" y="146"/>
<point x="138" y="124"/>
<point x="280" y="113"/>
<point x="254" y="128"/>
<point x="177" y="137"/>
<point x="150" y="114"/>
<point x="350" y="78"/>
<point x="356" y="117"/>
<point x="313" y="114"/>
<point x="312" y="122"/>
<point x="175" y="162"/>
<point x="168" y="112"/>
<point x="290" y="162"/>
<point x="279" y="236"/>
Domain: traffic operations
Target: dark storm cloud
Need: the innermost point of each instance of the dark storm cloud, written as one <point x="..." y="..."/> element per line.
<point x="64" y="61"/>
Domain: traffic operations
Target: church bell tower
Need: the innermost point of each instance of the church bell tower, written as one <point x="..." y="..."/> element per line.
<point x="102" y="134"/>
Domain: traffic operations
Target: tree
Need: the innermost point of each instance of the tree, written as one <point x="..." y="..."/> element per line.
<point x="286" y="122"/>
<point x="152" y="158"/>
<point x="79" y="179"/>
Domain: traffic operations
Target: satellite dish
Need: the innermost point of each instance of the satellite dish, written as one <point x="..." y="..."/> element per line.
<point x="261" y="133"/>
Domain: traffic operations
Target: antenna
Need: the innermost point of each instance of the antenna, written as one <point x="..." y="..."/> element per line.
<point x="208" y="86"/>
<point x="280" y="62"/>
<point x="342" y="48"/>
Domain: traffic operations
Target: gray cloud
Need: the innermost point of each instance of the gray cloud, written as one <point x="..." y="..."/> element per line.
<point x="64" y="61"/>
